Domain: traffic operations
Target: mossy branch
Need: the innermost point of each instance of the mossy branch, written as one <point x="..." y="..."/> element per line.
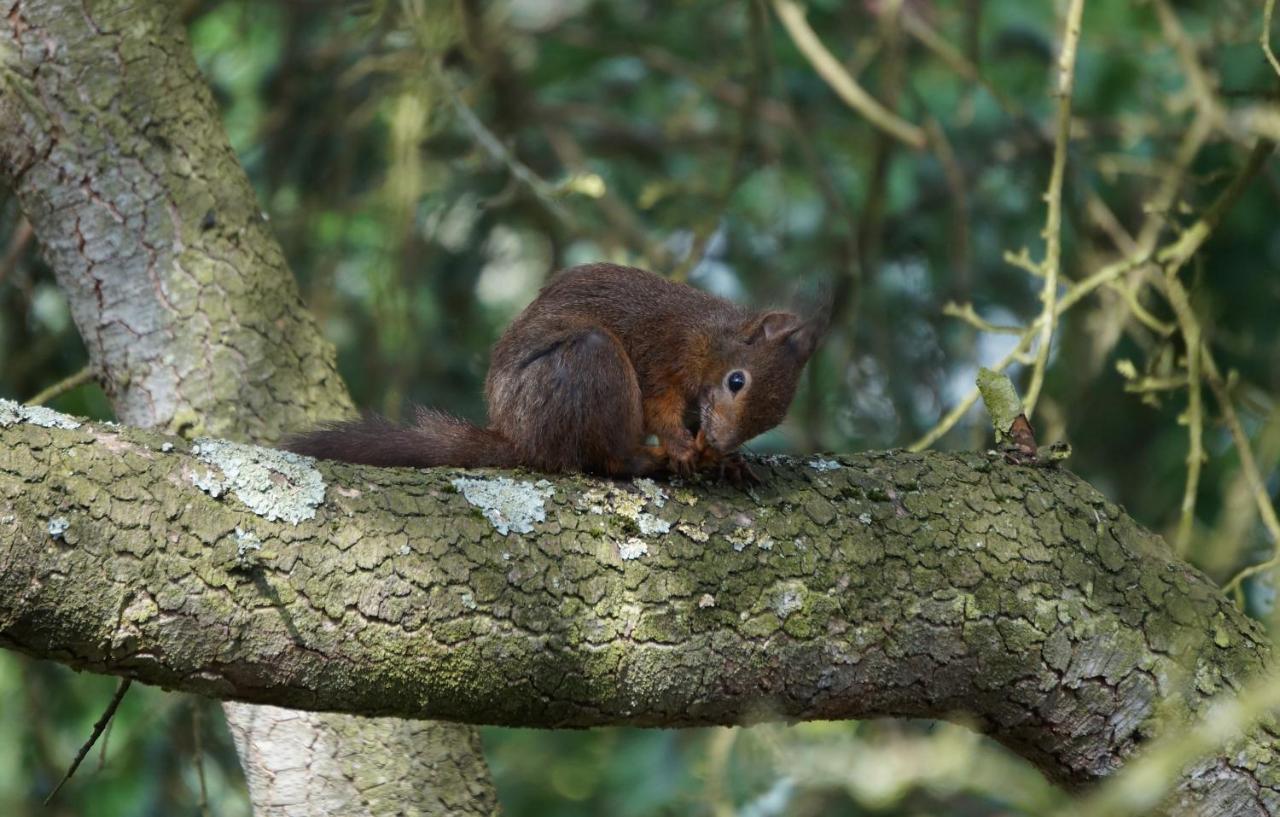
<point x="881" y="584"/>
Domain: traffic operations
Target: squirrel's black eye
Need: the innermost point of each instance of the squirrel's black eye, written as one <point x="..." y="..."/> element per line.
<point x="735" y="381"/>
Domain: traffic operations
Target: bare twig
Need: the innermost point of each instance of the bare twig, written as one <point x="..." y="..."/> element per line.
<point x="521" y="172"/>
<point x="63" y="386"/>
<point x="917" y="27"/>
<point x="617" y="212"/>
<point x="1200" y="360"/>
<point x="1070" y="298"/>
<point x="22" y="236"/>
<point x="1203" y="88"/>
<point x="1195" y="437"/>
<point x="1261" y="497"/>
<point x="1193" y="238"/>
<point x="1053" y="196"/>
<point x="97" y="730"/>
<point x="197" y="734"/>
<point x="845" y="86"/>
<point x="969" y="315"/>
<point x="1267" y="11"/>
<point x="718" y="756"/>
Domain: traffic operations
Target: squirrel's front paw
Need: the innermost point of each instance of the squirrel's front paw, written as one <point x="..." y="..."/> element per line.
<point x="682" y="460"/>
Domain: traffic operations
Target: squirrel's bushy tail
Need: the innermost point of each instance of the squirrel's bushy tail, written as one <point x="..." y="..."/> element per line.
<point x="434" y="439"/>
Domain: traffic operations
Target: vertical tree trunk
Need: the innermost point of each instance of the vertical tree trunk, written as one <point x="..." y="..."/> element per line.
<point x="111" y="140"/>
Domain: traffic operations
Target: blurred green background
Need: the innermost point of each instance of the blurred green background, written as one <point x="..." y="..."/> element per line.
<point x="427" y="164"/>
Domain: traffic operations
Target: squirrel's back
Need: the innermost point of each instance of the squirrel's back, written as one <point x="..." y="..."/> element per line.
<point x="661" y="325"/>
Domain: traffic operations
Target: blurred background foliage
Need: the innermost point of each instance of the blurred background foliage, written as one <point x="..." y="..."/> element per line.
<point x="428" y="163"/>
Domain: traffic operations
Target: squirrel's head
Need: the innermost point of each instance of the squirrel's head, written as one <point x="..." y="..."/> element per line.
<point x="762" y="364"/>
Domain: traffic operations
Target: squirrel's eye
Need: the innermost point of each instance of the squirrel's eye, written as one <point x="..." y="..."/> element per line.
<point x="735" y="381"/>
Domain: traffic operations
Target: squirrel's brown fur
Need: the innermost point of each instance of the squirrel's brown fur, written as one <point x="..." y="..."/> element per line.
<point x="604" y="357"/>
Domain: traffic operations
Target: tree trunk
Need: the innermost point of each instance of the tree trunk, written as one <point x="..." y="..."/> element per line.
<point x="111" y="140"/>
<point x="882" y="584"/>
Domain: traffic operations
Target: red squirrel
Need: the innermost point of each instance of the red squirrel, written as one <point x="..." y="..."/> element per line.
<point x="605" y="357"/>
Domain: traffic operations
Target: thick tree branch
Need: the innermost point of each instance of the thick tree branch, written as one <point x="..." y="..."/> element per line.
<point x="112" y="142"/>
<point x="882" y="584"/>
<point x="114" y="146"/>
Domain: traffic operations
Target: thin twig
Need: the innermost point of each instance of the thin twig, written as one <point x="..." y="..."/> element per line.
<point x="197" y="731"/>
<point x="845" y="86"/>
<point x="1203" y="88"/>
<point x="1053" y="196"/>
<point x="63" y="386"/>
<point x="719" y="754"/>
<point x="1069" y="299"/>
<point x="969" y="315"/>
<point x="1267" y="11"/>
<point x="1195" y="437"/>
<point x="22" y="236"/>
<point x="617" y="212"/>
<point x="492" y="145"/>
<point x="1200" y="360"/>
<point x="1261" y="497"/>
<point x="97" y="730"/>
<point x="106" y="741"/>
<point x="1193" y="238"/>
<point x="738" y="166"/>
<point x="917" y="27"/>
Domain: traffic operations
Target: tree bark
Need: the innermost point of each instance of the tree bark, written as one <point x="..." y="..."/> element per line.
<point x="928" y="585"/>
<point x="112" y="142"/>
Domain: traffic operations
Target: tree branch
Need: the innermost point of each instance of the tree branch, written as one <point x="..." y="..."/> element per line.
<point x="881" y="584"/>
<point x="192" y="319"/>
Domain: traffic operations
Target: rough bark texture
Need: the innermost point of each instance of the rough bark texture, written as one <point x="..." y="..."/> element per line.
<point x="194" y="325"/>
<point x="113" y="144"/>
<point x="892" y="584"/>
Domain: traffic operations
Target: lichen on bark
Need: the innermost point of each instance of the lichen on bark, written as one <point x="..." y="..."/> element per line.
<point x="114" y="147"/>
<point x="1018" y="599"/>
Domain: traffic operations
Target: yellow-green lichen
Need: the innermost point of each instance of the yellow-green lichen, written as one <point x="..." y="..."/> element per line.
<point x="1001" y="399"/>
<point x="693" y="531"/>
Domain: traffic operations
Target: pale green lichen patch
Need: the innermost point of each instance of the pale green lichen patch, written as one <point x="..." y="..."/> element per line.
<point x="629" y="506"/>
<point x="653" y="491"/>
<point x="142" y="609"/>
<point x="247" y="546"/>
<point x="12" y="413"/>
<point x="209" y="482"/>
<point x="651" y="525"/>
<point x="633" y="548"/>
<point x="741" y="537"/>
<point x="819" y="464"/>
<point x="789" y="599"/>
<point x="509" y="505"/>
<point x="277" y="485"/>
<point x="693" y="531"/>
<point x="685" y="497"/>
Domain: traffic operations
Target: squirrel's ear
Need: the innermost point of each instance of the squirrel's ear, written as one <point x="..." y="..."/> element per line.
<point x="772" y="327"/>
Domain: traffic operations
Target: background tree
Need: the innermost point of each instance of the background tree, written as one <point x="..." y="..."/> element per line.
<point x="426" y="165"/>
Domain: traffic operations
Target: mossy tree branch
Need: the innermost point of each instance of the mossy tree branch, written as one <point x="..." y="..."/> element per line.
<point x="882" y="584"/>
<point x="113" y="144"/>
